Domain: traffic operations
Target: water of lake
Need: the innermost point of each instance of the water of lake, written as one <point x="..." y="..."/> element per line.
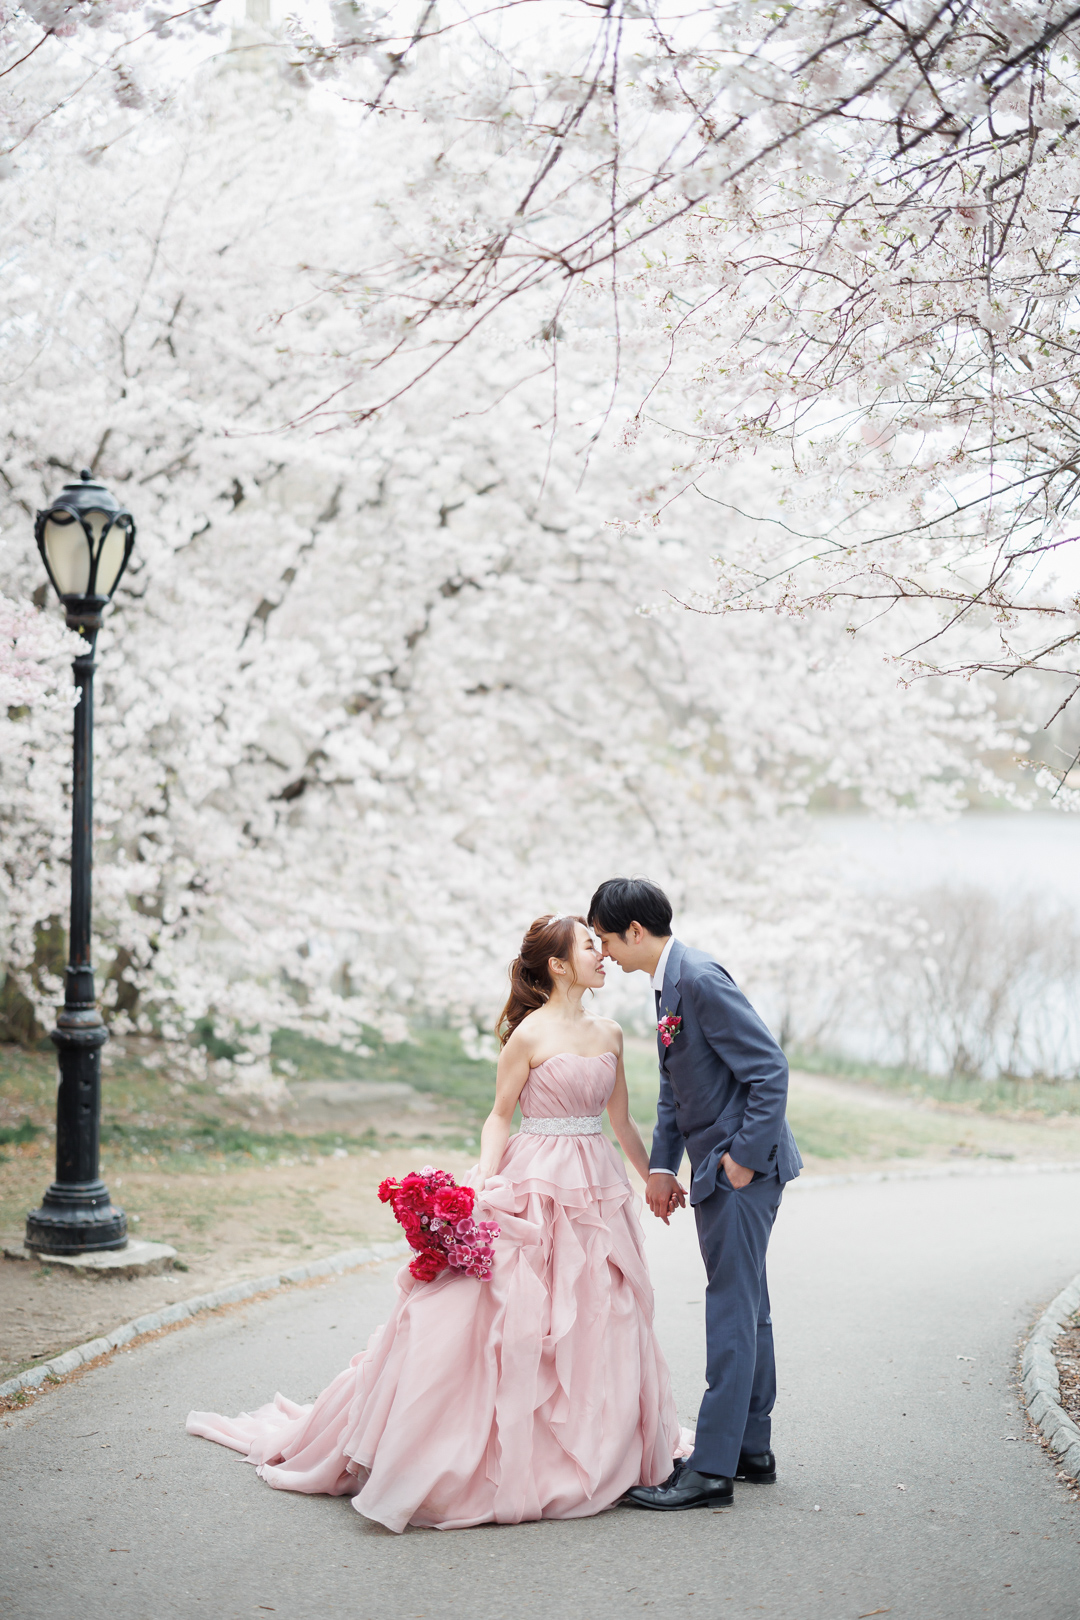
<point x="1011" y="853"/>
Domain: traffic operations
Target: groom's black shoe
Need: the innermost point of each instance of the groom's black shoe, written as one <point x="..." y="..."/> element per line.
<point x="759" y="1469"/>
<point x="684" y="1489"/>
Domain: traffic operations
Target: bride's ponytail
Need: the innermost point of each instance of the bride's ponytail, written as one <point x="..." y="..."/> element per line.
<point x="530" y="976"/>
<point x="525" y="996"/>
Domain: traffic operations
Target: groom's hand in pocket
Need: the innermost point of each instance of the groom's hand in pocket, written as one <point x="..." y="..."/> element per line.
<point x="737" y="1174"/>
<point x="663" y="1193"/>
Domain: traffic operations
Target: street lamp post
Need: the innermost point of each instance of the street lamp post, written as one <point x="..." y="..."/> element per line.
<point x="85" y="539"/>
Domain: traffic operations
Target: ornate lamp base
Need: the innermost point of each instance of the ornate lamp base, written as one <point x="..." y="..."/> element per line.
<point x="76" y="1218"/>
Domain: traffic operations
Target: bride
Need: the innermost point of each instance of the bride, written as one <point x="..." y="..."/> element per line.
<point x="540" y="1393"/>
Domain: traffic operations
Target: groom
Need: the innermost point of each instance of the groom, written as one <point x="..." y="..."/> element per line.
<point x="723" y="1089"/>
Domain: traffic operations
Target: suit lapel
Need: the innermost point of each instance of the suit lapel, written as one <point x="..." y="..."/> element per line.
<point x="670" y="996"/>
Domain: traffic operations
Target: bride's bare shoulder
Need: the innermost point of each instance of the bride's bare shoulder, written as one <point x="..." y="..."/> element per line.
<point x="523" y="1040"/>
<point x="611" y="1029"/>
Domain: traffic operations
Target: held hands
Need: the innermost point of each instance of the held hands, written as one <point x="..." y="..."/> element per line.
<point x="664" y="1194"/>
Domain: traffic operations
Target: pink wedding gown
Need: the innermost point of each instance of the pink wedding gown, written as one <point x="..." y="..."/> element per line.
<point x="538" y="1394"/>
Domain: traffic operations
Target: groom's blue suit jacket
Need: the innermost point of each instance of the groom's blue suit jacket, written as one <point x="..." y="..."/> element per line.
<point x="723" y="1079"/>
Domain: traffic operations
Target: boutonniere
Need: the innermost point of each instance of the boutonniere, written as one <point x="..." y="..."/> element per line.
<point x="668" y="1027"/>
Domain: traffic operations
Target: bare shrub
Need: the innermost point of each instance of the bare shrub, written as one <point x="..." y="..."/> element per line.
<point x="973" y="985"/>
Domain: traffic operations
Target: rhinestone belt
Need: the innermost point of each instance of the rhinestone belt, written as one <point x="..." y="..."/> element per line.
<point x="565" y="1125"/>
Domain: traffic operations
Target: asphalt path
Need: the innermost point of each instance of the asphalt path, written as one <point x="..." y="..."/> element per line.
<point x="907" y="1484"/>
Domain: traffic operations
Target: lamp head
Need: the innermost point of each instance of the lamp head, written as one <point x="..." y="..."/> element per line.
<point x="85" y="539"/>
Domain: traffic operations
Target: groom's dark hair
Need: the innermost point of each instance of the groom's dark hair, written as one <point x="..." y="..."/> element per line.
<point x="621" y="901"/>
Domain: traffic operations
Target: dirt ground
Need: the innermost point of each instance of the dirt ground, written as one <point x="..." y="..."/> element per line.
<point x="1067" y="1353"/>
<point x="226" y="1227"/>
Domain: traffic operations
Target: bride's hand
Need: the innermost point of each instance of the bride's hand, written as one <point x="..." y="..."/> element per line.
<point x="664" y="1194"/>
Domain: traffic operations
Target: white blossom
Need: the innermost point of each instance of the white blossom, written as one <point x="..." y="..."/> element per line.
<point x="369" y="699"/>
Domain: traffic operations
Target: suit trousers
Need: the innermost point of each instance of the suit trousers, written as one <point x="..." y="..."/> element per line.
<point x="736" y="1411"/>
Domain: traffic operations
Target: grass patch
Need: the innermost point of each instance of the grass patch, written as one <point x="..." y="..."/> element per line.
<point x="19" y="1135"/>
<point x="828" y="1130"/>
<point x="433" y="1061"/>
<point x="184" y="1144"/>
<point x="155" y="1115"/>
<point x="1001" y="1096"/>
<point x="642" y="1080"/>
<point x="836" y="1128"/>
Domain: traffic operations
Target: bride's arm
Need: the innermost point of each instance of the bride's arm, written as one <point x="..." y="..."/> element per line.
<point x="626" y="1132"/>
<point x="510" y="1079"/>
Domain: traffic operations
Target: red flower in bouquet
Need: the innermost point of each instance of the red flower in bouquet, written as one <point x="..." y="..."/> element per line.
<point x="454" y="1203"/>
<point x="428" y="1264"/>
<point x="436" y="1217"/>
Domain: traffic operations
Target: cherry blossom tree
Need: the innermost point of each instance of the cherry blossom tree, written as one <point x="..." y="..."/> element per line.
<point x="830" y="237"/>
<point x="32" y="648"/>
<point x="369" y="699"/>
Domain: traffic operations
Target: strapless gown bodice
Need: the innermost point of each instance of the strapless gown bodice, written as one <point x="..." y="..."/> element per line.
<point x="540" y="1393"/>
<point x="568" y="1085"/>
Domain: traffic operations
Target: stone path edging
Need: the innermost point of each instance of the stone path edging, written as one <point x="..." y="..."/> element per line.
<point x="60" y="1366"/>
<point x="1040" y="1380"/>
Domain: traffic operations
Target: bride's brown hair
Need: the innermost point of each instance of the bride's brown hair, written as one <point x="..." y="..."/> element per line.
<point x="530" y="977"/>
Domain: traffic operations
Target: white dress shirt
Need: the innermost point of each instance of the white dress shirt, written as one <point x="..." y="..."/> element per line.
<point x="657" y="982"/>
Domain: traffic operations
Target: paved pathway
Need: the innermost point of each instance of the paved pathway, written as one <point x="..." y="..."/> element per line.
<point x="109" y="1510"/>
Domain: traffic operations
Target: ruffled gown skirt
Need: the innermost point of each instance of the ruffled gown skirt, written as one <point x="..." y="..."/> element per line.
<point x="540" y="1393"/>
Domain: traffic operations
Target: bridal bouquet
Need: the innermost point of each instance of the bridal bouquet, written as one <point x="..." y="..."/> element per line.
<point x="436" y="1216"/>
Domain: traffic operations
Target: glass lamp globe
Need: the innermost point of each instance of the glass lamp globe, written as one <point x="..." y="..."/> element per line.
<point x="85" y="539"/>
